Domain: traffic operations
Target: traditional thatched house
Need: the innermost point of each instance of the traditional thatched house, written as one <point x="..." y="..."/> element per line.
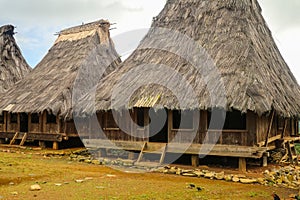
<point x="13" y="66"/>
<point x="40" y="106"/>
<point x="262" y="95"/>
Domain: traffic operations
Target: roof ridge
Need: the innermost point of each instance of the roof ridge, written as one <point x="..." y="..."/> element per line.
<point x="86" y="27"/>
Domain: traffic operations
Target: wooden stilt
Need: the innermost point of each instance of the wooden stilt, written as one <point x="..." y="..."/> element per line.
<point x="55" y="146"/>
<point x="265" y="161"/>
<point x="242" y="165"/>
<point x="42" y="144"/>
<point x="195" y="160"/>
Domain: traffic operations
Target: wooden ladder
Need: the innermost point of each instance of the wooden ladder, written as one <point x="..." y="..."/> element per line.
<point x="144" y="150"/>
<point x="17" y="136"/>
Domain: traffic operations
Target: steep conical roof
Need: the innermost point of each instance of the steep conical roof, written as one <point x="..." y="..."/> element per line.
<point x="236" y="37"/>
<point x="13" y="66"/>
<point x="51" y="84"/>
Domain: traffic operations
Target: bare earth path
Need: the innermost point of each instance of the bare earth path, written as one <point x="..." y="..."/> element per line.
<point x="19" y="169"/>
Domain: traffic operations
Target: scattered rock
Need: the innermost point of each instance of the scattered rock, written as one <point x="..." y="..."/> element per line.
<point x="228" y="177"/>
<point x="11" y="183"/>
<point x="189" y="174"/>
<point x="248" y="181"/>
<point x="220" y="176"/>
<point x="79" y="181"/>
<point x="88" y="178"/>
<point x="209" y="175"/>
<point x="35" y="187"/>
<point x="58" y="184"/>
<point x="235" y="179"/>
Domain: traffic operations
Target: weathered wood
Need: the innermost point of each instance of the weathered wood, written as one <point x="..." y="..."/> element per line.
<point x="5" y="121"/>
<point x="217" y="150"/>
<point x="251" y="126"/>
<point x="290" y="154"/>
<point x="170" y="125"/>
<point x="242" y="165"/>
<point x="24" y="139"/>
<point x="272" y="139"/>
<point x="14" y="138"/>
<point x="19" y="122"/>
<point x="142" y="152"/>
<point x="44" y="121"/>
<point x="195" y="160"/>
<point x="41" y="122"/>
<point x="269" y="129"/>
<point x="55" y="146"/>
<point x="42" y="144"/>
<point x="284" y="129"/>
<point x="163" y="154"/>
<point x="29" y="122"/>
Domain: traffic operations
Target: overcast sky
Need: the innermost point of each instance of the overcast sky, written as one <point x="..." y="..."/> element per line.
<point x="38" y="20"/>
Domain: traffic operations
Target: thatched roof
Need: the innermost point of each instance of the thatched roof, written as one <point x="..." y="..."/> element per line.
<point x="13" y="66"/>
<point x="234" y="34"/>
<point x="50" y="85"/>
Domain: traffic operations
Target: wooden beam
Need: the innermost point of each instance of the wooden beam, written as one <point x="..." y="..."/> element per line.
<point x="269" y="129"/>
<point x="242" y="165"/>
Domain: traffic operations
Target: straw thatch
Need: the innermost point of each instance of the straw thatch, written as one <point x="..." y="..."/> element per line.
<point x="50" y="85"/>
<point x="13" y="66"/>
<point x="235" y="35"/>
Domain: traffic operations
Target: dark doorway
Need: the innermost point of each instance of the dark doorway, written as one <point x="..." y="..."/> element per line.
<point x="23" y="122"/>
<point x="158" y="126"/>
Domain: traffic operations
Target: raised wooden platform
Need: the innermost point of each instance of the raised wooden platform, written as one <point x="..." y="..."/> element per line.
<point x="193" y="149"/>
<point x="53" y="137"/>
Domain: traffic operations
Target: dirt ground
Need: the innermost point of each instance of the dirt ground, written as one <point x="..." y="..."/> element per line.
<point x="60" y="178"/>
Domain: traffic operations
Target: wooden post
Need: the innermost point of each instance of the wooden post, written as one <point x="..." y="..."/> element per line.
<point x="265" y="160"/>
<point x="55" y="146"/>
<point x="284" y="129"/>
<point x="8" y="122"/>
<point x="18" y="122"/>
<point x="147" y="121"/>
<point x="5" y="121"/>
<point x="269" y="128"/>
<point x="195" y="160"/>
<point x="203" y="125"/>
<point x="242" y="165"/>
<point x="42" y="144"/>
<point x="58" y="124"/>
<point x="170" y="125"/>
<point x="41" y="122"/>
<point x="29" y="122"/>
<point x="251" y="128"/>
<point x="44" y="121"/>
